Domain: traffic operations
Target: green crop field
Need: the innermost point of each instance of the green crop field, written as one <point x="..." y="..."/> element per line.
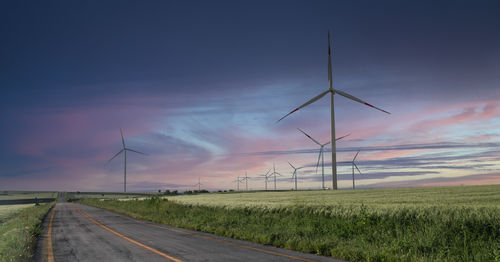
<point x="387" y="198"/>
<point x="397" y="224"/>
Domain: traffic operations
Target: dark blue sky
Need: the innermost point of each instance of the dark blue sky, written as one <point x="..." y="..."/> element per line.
<point x="73" y="72"/>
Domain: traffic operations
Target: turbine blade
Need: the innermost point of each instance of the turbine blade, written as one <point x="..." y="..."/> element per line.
<point x="355" y="156"/>
<point x="341" y="137"/>
<point x="123" y="140"/>
<point x="135" y="151"/>
<point x="291" y="165"/>
<point x="316" y="98"/>
<point x="358" y="100"/>
<point x="319" y="157"/>
<point x="115" y="155"/>
<point x="327" y="143"/>
<point x="357" y="169"/>
<point x="310" y="137"/>
<point x="329" y="62"/>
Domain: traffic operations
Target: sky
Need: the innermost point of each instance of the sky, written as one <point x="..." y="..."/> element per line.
<point x="199" y="86"/>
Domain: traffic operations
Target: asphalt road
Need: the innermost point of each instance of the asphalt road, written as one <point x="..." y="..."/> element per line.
<point x="74" y="232"/>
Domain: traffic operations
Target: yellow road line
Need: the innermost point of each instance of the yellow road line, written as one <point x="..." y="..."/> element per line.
<point x="127" y="238"/>
<point x="225" y="241"/>
<point x="50" y="250"/>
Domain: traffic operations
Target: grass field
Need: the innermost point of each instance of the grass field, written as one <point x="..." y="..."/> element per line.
<point x="106" y="195"/>
<point x="12" y="195"/>
<point x="407" y="224"/>
<point x="19" y="227"/>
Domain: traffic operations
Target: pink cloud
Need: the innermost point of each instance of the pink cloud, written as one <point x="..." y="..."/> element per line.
<point x="469" y="181"/>
<point x="477" y="112"/>
<point x="387" y="154"/>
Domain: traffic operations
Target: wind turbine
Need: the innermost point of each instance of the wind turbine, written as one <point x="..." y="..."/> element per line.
<point x="295" y="173"/>
<point x="332" y="112"/>
<point x="321" y="155"/>
<point x="246" y="181"/>
<point x="124" y="150"/>
<point x="198" y="184"/>
<point x="266" y="177"/>
<point x="354" y="166"/>
<point x="274" y="173"/>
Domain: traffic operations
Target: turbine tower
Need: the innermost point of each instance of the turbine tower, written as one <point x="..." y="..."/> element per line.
<point x="274" y="173"/>
<point x="332" y="112"/>
<point x="295" y="173"/>
<point x="354" y="166"/>
<point x="321" y="155"/>
<point x="124" y="150"/>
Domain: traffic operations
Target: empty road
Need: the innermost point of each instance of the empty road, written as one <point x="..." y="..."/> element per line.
<point x="74" y="232"/>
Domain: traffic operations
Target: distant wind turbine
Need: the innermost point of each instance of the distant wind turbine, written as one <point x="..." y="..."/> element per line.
<point x="266" y="177"/>
<point x="246" y="181"/>
<point x="295" y="173"/>
<point x="124" y="150"/>
<point x="354" y="166"/>
<point x="332" y="112"/>
<point x="274" y="173"/>
<point x="238" y="181"/>
<point x="321" y="155"/>
<point x="198" y="184"/>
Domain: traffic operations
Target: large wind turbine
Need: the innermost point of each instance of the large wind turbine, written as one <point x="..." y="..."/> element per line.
<point x="354" y="166"/>
<point x="274" y="173"/>
<point x="266" y="177"/>
<point x="332" y="112"/>
<point x="295" y="173"/>
<point x="321" y="155"/>
<point x="124" y="150"/>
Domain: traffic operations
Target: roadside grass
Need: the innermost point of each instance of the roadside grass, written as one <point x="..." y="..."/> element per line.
<point x="7" y="211"/>
<point x="18" y="232"/>
<point x="352" y="231"/>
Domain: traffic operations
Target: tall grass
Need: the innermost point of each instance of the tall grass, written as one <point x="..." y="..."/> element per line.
<point x="18" y="233"/>
<point x="351" y="232"/>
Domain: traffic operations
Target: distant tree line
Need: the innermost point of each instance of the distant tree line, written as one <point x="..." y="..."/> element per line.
<point x="194" y="192"/>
